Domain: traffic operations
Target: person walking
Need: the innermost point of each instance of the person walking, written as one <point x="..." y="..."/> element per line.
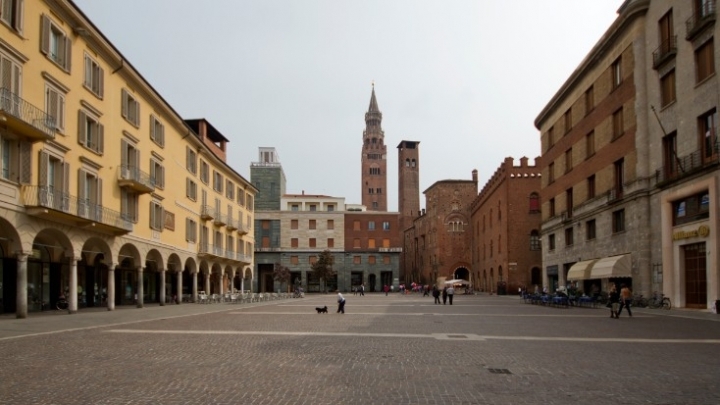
<point x="436" y="294"/>
<point x="444" y="295"/>
<point x="450" y="293"/>
<point x="386" y="289"/>
<point x="613" y="301"/>
<point x="362" y="290"/>
<point x="625" y="299"/>
<point x="341" y="303"/>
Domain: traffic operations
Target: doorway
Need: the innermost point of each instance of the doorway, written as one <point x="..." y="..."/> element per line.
<point x="695" y="276"/>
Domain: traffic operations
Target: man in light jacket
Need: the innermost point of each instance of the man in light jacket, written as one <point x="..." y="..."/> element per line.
<point x="341" y="303"/>
<point x="450" y="292"/>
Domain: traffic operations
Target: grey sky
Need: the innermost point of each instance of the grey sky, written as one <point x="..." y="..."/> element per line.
<point x="465" y="78"/>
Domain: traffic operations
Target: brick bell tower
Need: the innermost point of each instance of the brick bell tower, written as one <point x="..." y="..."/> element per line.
<point x="408" y="182"/>
<point x="374" y="160"/>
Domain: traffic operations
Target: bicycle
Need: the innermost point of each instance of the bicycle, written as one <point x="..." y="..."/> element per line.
<point x="639" y="301"/>
<point x="659" y="300"/>
<point x="62" y="304"/>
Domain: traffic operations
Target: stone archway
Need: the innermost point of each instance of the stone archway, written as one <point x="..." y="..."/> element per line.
<point x="93" y="274"/>
<point x="51" y="272"/>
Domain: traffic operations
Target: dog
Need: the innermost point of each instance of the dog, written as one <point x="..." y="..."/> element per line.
<point x="321" y="310"/>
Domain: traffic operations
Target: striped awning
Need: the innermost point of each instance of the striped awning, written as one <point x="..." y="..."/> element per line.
<point x="613" y="266"/>
<point x="581" y="270"/>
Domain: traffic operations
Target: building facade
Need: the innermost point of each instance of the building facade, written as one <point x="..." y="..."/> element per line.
<point x="505" y="235"/>
<point x="372" y="249"/>
<point x="88" y="212"/>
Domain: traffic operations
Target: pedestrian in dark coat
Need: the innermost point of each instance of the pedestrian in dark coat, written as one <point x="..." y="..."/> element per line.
<point x="444" y="295"/>
<point x="436" y="294"/>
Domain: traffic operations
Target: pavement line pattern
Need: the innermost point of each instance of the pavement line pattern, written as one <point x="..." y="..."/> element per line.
<point x="437" y="336"/>
<point x="437" y="314"/>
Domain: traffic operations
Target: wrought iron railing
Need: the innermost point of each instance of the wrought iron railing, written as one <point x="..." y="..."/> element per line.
<point x="207" y="211"/>
<point x="12" y="104"/>
<point x="665" y="51"/>
<point x="681" y="166"/>
<point x="704" y="14"/>
<point x="48" y="197"/>
<point x="133" y="173"/>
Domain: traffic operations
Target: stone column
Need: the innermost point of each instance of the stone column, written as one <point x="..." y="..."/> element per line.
<point x="162" y="287"/>
<point x="242" y="281"/>
<point x="222" y="279"/>
<point x="73" y="298"/>
<point x="140" y="292"/>
<point x="111" y="288"/>
<point x="179" y="294"/>
<point x="195" y="287"/>
<point x="207" y="282"/>
<point x="21" y="297"/>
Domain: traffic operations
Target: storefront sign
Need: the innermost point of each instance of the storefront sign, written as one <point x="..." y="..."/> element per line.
<point x="703" y="231"/>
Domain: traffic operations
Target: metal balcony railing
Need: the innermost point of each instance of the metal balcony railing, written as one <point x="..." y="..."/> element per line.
<point x="666" y="51"/>
<point x="18" y="111"/>
<point x="135" y="178"/>
<point x="207" y="249"/>
<point x="683" y="166"/>
<point x="47" y="197"/>
<point x="703" y="16"/>
<point x="207" y="212"/>
<point x="219" y="219"/>
<point x="231" y="224"/>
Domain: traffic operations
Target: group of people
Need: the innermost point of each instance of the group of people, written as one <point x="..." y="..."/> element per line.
<point x="447" y="294"/>
<point x="619" y="300"/>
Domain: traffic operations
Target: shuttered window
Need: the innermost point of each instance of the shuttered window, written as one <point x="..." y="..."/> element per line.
<point x="89" y="195"/>
<point x="157" y="173"/>
<point x="130" y="108"/>
<point x="55" y="107"/>
<point x="190" y="189"/>
<point x="10" y="75"/>
<point x="55" y="44"/>
<point x="157" y="131"/>
<point x="190" y="230"/>
<point x="157" y="216"/>
<point x="94" y="77"/>
<point x="90" y="132"/>
<point x="190" y="160"/>
<point x="11" y="13"/>
<point x="128" y="205"/>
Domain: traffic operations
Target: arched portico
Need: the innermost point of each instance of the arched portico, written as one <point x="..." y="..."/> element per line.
<point x="51" y="273"/>
<point x="12" y="257"/>
<point x="190" y="274"/>
<point x="128" y="289"/>
<point x="93" y="275"/>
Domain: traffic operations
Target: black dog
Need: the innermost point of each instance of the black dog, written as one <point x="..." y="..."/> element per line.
<point x="321" y="310"/>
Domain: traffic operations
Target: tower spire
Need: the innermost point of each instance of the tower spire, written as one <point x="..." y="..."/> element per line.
<point x="373" y="101"/>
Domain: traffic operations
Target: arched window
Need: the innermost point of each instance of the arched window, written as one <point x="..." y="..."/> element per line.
<point x="534" y="240"/>
<point x="413" y="163"/>
<point x="534" y="203"/>
<point x="407" y="162"/>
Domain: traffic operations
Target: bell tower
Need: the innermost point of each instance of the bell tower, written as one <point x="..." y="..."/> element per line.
<point x="374" y="160"/>
<point x="408" y="182"/>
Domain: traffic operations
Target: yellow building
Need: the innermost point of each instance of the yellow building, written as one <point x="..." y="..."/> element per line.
<point x="107" y="196"/>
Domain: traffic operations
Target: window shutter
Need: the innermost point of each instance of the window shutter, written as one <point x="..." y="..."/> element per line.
<point x="99" y="192"/>
<point x="161" y="218"/>
<point x="136" y="106"/>
<point x="101" y="81"/>
<point x="187" y="187"/>
<point x="187" y="158"/>
<point x="152" y="215"/>
<point x="45" y="35"/>
<point x="124" y="103"/>
<point x="19" y="15"/>
<point x="66" y="178"/>
<point x="162" y="176"/>
<point x="82" y="179"/>
<point x="68" y="53"/>
<point x="187" y="229"/>
<point x="82" y="120"/>
<point x="25" y="162"/>
<point x="162" y="135"/>
<point x="100" y="138"/>
<point x="152" y="171"/>
<point x="44" y="160"/>
<point x="123" y="153"/>
<point x="60" y="119"/>
<point x="137" y="158"/>
<point x="153" y="136"/>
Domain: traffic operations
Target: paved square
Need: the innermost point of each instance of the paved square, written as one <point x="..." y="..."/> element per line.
<point x="384" y="350"/>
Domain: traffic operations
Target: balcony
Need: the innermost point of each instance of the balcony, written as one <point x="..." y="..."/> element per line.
<point x="665" y="52"/>
<point x="704" y="17"/>
<point x="684" y="166"/>
<point x="614" y="195"/>
<point x="207" y="212"/>
<point x="390" y="249"/>
<point x="58" y="206"/>
<point x="209" y="251"/>
<point x="246" y="259"/>
<point x="242" y="229"/>
<point x="132" y="178"/>
<point x="24" y="119"/>
<point x="219" y="219"/>
<point x="232" y="224"/>
<point x="566" y="216"/>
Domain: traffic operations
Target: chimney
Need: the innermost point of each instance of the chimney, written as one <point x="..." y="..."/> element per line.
<point x="303" y="192"/>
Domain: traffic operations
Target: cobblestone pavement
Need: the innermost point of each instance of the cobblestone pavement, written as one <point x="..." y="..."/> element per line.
<point x="384" y="350"/>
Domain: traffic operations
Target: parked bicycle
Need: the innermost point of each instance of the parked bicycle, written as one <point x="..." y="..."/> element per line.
<point x="639" y="301"/>
<point x="659" y="300"/>
<point x="62" y="303"/>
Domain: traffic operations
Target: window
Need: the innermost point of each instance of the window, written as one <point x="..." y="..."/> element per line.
<point x="218" y="181"/>
<point x="617" y="120"/>
<point x="229" y="190"/>
<point x="312" y="242"/>
<point x="375" y="205"/>
<point x="619" y="167"/>
<point x="551" y="241"/>
<point x="670" y="158"/>
<point x="551" y="137"/>
<point x="386" y="259"/>
<point x="569" y="236"/>
<point x="386" y="226"/>
<point x="55" y="107"/>
<point x="665" y="26"/>
<point x="692" y="208"/>
<point x="90" y="132"/>
<point x="591" y="187"/>
<point x="204" y="172"/>
<point x="250" y="202"/>
<point x="10" y="74"/>
<point x="190" y="230"/>
<point x="552" y="207"/>
<point x="190" y="189"/>
<point x="705" y="61"/>
<point x="589" y="144"/>
<point x="378" y="191"/>
<point x="14" y="155"/>
<point x="89" y="195"/>
<point x="128" y="205"/>
<point x="356" y="260"/>
<point x="265" y="224"/>
<point x="331" y="224"/>
<point x="55" y="44"/>
<point x="707" y="126"/>
<point x="534" y="240"/>
<point x="616" y="70"/>
<point x="356" y="243"/>
<point x="371" y="259"/>
<point x="374" y="170"/>
<point x="157" y="131"/>
<point x="157" y="216"/>
<point x="331" y="243"/>
<point x="293" y="224"/>
<point x="667" y="88"/>
<point x="294" y="242"/>
<point x="371" y="243"/>
<point x="294" y="260"/>
<point x="295" y="207"/>
<point x="313" y="207"/>
<point x="11" y="12"/>
<point x="589" y="100"/>
<point x="312" y="224"/>
<point x="157" y="173"/>
<point x="618" y="221"/>
<point x="94" y="77"/>
<point x="551" y="173"/>
<point x="569" y="202"/>
<point x="386" y="243"/>
<point x="330" y="208"/>
<point x="534" y="203"/>
<point x="356" y="225"/>
<point x="568" y="160"/>
<point x="130" y="108"/>
<point x="190" y="160"/>
<point x="312" y="259"/>
<point x="590" y="230"/>
<point x="371" y="225"/>
<point x="265" y="242"/>
<point x="568" y="120"/>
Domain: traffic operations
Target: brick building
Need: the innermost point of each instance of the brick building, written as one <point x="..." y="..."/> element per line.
<point x="505" y="237"/>
<point x="372" y="249"/>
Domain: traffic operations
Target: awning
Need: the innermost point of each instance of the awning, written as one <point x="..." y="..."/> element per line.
<point x="581" y="270"/>
<point x="614" y="266"/>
